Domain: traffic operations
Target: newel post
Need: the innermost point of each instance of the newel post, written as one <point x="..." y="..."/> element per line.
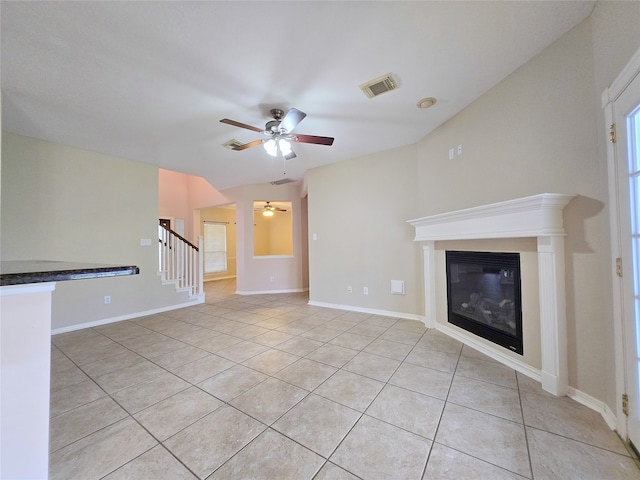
<point x="200" y="265"/>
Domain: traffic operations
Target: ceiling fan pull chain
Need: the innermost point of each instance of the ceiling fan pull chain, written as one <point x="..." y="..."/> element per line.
<point x="272" y="170"/>
<point x="284" y="165"/>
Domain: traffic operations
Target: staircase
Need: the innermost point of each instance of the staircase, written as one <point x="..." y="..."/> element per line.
<point x="181" y="262"/>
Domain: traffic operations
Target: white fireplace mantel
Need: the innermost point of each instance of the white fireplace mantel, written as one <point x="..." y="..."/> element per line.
<point x="538" y="216"/>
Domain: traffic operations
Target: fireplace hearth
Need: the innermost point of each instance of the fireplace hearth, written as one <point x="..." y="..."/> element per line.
<point x="484" y="296"/>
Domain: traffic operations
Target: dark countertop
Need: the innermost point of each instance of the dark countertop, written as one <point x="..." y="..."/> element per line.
<point x="20" y="272"/>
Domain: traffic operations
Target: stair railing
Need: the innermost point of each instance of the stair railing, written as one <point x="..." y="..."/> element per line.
<point x="181" y="261"/>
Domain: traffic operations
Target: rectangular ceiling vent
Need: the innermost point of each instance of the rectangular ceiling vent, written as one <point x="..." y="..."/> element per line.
<point x="282" y="181"/>
<point x="379" y="85"/>
<point x="233" y="143"/>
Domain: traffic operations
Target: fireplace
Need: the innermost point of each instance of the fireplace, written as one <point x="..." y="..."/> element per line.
<point x="484" y="296"/>
<point x="539" y="216"/>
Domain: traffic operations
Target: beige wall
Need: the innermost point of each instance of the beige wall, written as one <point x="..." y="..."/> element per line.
<point x="358" y="211"/>
<point x="173" y="200"/>
<point x="62" y="203"/>
<point x="269" y="274"/>
<point x="616" y="37"/>
<point x="261" y="237"/>
<point x="273" y="235"/>
<point x="181" y="196"/>
<point x="540" y="130"/>
<point x="185" y="196"/>
<point x="533" y="133"/>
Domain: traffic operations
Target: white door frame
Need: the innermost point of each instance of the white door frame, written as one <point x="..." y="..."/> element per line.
<point x="608" y="98"/>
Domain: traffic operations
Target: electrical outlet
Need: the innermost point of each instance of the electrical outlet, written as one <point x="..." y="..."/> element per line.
<point x="365" y="290"/>
<point x="272" y="279"/>
<point x="459" y="149"/>
<point x="349" y="289"/>
<point x="452" y="153"/>
<point x="107" y="299"/>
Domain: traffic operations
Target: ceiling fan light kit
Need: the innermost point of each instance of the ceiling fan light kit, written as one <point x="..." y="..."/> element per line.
<point x="284" y="146"/>
<point x="279" y="130"/>
<point x="271" y="146"/>
<point x="275" y="146"/>
<point x="268" y="209"/>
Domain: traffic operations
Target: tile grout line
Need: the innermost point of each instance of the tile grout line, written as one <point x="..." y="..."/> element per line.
<point x="326" y="459"/>
<point x="129" y="415"/>
<point x="435" y="433"/>
<point x="224" y="402"/>
<point x="293" y="303"/>
<point x="524" y="428"/>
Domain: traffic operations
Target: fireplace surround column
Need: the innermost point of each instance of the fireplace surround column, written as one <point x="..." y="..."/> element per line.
<point x="553" y="318"/>
<point x="429" y="250"/>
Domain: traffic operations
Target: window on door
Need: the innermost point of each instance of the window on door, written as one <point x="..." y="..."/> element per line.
<point x="215" y="247"/>
<point x="633" y="129"/>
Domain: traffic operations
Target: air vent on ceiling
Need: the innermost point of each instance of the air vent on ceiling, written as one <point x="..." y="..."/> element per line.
<point x="233" y="143"/>
<point x="379" y="85"/>
<point x="282" y="181"/>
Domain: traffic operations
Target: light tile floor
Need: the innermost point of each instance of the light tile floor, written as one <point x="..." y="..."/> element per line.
<point x="268" y="387"/>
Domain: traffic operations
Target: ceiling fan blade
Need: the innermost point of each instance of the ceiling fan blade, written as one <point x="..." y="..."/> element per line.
<point x="241" y="125"/>
<point x="313" y="139"/>
<point x="248" y="145"/>
<point x="291" y="119"/>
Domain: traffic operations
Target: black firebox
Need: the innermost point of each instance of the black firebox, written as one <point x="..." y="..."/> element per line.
<point x="484" y="296"/>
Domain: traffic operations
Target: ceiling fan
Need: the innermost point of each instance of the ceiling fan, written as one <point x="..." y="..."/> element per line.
<point x="269" y="209"/>
<point x="279" y="132"/>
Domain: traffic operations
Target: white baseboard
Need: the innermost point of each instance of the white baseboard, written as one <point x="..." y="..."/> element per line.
<point x="373" y="311"/>
<point x="577" y="395"/>
<point x="531" y="372"/>
<point x="594" y="404"/>
<point x="129" y="316"/>
<point x="213" y="279"/>
<point x="263" y="292"/>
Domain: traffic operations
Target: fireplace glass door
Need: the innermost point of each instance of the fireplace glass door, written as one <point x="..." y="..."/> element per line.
<point x="484" y="296"/>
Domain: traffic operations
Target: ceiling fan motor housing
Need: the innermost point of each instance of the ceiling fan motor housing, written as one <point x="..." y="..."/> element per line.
<point x="277" y="113"/>
<point x="272" y="126"/>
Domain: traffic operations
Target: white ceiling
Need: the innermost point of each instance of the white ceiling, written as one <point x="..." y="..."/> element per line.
<point x="149" y="81"/>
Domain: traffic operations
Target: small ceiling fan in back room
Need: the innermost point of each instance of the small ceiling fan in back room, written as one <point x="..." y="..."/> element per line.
<point x="279" y="133"/>
<point x="268" y="209"/>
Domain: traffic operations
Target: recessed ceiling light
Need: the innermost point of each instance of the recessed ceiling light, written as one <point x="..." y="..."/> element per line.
<point x="426" y="102"/>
